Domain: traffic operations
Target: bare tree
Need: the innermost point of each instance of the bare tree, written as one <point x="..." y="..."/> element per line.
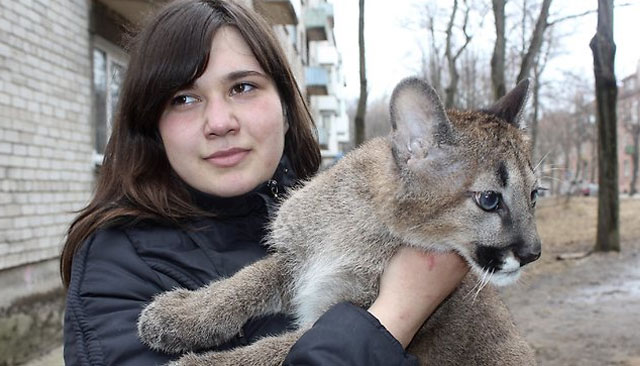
<point x="529" y="53"/>
<point x="432" y="62"/>
<point x="538" y="69"/>
<point x="447" y="45"/>
<point x="499" y="50"/>
<point x="362" y="101"/>
<point x="378" y="118"/>
<point x="545" y="26"/>
<point x="581" y="132"/>
<point x="475" y="89"/>
<point x="536" y="41"/>
<point x="604" y="50"/>
<point x="452" y="56"/>
<point x="555" y="143"/>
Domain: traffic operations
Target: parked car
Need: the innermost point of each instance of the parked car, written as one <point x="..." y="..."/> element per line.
<point x="589" y="189"/>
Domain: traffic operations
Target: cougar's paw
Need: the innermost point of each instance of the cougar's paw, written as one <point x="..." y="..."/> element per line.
<point x="189" y="359"/>
<point x="172" y="323"/>
<point x="269" y="351"/>
<point x="206" y="359"/>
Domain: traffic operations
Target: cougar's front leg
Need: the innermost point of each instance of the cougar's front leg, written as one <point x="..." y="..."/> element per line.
<point x="183" y="320"/>
<point x="270" y="351"/>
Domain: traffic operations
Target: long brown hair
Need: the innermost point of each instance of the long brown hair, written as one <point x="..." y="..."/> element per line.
<point x="136" y="181"/>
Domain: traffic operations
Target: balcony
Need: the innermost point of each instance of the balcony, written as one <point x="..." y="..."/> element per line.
<point x="317" y="21"/>
<point x="325" y="103"/>
<point x="134" y="11"/>
<point x="278" y="11"/>
<point x="326" y="54"/>
<point x="317" y="80"/>
<point x="323" y="137"/>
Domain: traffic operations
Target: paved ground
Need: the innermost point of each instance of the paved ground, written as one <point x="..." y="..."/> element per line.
<point x="53" y="358"/>
<point x="584" y="312"/>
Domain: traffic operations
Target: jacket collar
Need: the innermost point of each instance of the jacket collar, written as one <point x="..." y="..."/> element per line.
<point x="269" y="193"/>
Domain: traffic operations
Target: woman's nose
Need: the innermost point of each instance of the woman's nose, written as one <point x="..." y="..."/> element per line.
<point x="220" y="119"/>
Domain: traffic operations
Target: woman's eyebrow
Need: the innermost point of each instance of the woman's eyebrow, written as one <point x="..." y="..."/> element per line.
<point x="235" y="75"/>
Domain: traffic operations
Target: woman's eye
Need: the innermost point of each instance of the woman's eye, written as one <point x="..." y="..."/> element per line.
<point x="241" y="88"/>
<point x="534" y="197"/>
<point x="488" y="200"/>
<point x="184" y="100"/>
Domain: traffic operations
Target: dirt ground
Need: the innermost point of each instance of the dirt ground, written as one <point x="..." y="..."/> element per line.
<point x="581" y="311"/>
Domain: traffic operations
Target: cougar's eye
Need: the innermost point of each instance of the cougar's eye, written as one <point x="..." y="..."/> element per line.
<point x="534" y="197"/>
<point x="487" y="200"/>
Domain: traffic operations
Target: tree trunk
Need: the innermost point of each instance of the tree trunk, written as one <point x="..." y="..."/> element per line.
<point x="538" y="68"/>
<point x="594" y="157"/>
<point x="362" y="102"/>
<point x="635" y="134"/>
<point x="578" y="161"/>
<point x="452" y="58"/>
<point x="604" y="50"/>
<point x="536" y="112"/>
<point x="435" y="68"/>
<point x="567" y="170"/>
<point x="536" y="41"/>
<point x="498" y="58"/>
<point x="450" y="90"/>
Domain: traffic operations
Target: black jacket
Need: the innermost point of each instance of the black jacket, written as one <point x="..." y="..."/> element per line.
<point x="118" y="270"/>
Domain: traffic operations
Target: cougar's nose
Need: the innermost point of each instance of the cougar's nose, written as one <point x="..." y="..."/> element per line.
<point x="527" y="253"/>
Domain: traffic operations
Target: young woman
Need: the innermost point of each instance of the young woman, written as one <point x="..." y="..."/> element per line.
<point x="210" y="127"/>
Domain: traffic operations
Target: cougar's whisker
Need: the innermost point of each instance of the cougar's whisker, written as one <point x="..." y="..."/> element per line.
<point x="472" y="290"/>
<point x="541" y="160"/>
<point x="482" y="283"/>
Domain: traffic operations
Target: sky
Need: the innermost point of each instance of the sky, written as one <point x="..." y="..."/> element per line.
<point x="393" y="51"/>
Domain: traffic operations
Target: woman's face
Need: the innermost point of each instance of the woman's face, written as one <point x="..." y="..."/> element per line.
<point x="225" y="134"/>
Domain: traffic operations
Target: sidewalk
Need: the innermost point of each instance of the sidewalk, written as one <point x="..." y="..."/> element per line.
<point x="53" y="358"/>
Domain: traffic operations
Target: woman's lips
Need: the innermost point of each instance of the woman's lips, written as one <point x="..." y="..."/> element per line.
<point x="227" y="158"/>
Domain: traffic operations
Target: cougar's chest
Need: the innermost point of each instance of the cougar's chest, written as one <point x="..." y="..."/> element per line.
<point x="326" y="281"/>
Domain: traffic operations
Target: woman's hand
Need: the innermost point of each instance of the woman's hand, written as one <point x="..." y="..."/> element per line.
<point x="412" y="286"/>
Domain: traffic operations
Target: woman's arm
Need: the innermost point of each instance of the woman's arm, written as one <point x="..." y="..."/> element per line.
<point x="413" y="285"/>
<point x="109" y="286"/>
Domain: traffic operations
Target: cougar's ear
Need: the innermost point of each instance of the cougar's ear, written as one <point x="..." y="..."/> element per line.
<point x="511" y="106"/>
<point x="418" y="120"/>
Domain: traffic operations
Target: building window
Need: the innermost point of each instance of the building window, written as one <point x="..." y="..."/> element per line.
<point x="627" y="168"/>
<point x="109" y="63"/>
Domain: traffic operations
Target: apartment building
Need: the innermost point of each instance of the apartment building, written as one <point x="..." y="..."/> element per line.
<point x="579" y="144"/>
<point x="61" y="65"/>
<point x="325" y="81"/>
<point x="628" y="129"/>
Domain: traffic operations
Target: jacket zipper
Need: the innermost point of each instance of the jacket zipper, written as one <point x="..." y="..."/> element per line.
<point x="273" y="188"/>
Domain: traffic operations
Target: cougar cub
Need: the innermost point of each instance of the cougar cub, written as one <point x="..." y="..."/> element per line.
<point x="458" y="181"/>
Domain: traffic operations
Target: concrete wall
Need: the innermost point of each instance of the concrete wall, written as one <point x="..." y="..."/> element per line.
<point x="31" y="315"/>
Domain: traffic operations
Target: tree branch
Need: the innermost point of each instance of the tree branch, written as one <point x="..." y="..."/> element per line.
<point x="574" y="16"/>
<point x="464" y="30"/>
<point x="536" y="41"/>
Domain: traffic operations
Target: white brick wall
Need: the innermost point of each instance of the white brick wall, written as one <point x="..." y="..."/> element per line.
<point x="46" y="141"/>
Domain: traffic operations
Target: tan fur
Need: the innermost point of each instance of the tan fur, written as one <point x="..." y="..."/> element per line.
<point x="333" y="237"/>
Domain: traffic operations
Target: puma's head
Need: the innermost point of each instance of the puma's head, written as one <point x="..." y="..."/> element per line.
<point x="467" y="181"/>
